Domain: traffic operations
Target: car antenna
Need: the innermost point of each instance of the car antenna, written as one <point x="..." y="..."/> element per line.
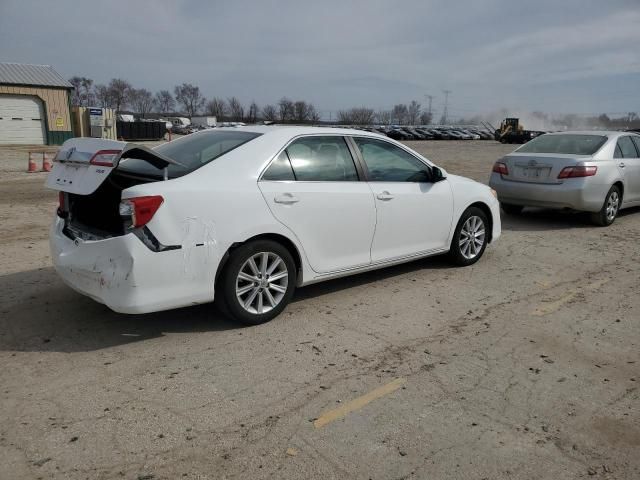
<point x="166" y="172"/>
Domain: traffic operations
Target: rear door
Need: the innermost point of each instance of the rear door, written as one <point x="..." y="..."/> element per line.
<point x="313" y="187"/>
<point x="413" y="215"/>
<point x="626" y="156"/>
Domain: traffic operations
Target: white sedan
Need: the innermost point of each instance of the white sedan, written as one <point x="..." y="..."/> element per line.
<point x="244" y="215"/>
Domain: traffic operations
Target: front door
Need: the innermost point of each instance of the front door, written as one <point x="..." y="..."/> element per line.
<point x="413" y="215"/>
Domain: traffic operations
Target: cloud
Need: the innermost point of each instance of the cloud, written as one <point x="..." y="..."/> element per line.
<point x="340" y="54"/>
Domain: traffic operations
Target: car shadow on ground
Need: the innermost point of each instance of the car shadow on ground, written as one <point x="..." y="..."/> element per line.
<point x="539" y="219"/>
<point x="39" y="313"/>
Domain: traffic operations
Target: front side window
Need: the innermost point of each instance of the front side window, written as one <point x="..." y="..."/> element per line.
<point x="322" y="159"/>
<point x="389" y="163"/>
<point x="627" y="148"/>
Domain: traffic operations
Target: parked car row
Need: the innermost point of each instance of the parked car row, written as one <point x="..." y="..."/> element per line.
<point x="398" y="132"/>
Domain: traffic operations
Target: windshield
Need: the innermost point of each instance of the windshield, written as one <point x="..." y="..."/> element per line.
<point x="568" y="144"/>
<point x="192" y="151"/>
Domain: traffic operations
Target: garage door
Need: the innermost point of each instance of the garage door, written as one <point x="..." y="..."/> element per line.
<point x="21" y="120"/>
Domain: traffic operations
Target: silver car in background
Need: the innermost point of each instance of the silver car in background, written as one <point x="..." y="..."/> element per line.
<point x="597" y="172"/>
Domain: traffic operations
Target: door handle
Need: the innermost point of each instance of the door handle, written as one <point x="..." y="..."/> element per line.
<point x="286" y="198"/>
<point x="621" y="164"/>
<point x="384" y="196"/>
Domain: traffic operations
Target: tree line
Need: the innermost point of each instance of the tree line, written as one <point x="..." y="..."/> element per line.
<point x="400" y="114"/>
<point x="186" y="99"/>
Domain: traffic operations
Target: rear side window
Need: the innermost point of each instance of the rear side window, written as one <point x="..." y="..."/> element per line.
<point x="192" y="152"/>
<point x="322" y="159"/>
<point x="567" y="144"/>
<point x="280" y="169"/>
<point x="627" y="148"/>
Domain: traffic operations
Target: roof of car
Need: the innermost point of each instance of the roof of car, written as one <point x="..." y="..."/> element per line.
<point x="295" y="130"/>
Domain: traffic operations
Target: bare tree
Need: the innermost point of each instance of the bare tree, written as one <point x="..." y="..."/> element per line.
<point x="425" y="118"/>
<point x="400" y="113"/>
<point x="165" y="102"/>
<point x="88" y="97"/>
<point x="269" y="113"/>
<point x="314" y="115"/>
<point x="119" y="90"/>
<point x="217" y="107"/>
<point x="82" y="91"/>
<point x="285" y="109"/>
<point x="384" y="117"/>
<point x="236" y="110"/>
<point x="300" y="111"/>
<point x="357" y="116"/>
<point x="103" y="96"/>
<point x="76" y="93"/>
<point x="253" y="112"/>
<point x="190" y="98"/>
<point x="413" y="112"/>
<point x="142" y="101"/>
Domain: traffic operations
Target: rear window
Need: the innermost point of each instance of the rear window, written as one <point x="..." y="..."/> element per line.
<point x="568" y="144"/>
<point x="192" y="151"/>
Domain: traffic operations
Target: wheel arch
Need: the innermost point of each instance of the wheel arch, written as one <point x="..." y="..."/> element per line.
<point x="487" y="211"/>
<point x="620" y="185"/>
<point x="276" y="237"/>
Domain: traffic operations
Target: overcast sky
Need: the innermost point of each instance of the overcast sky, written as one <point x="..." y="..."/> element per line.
<point x="580" y="56"/>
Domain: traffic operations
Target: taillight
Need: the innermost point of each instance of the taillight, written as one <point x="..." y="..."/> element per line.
<point x="500" y="168"/>
<point x="578" y="171"/>
<point x="104" y="158"/>
<point x="139" y="211"/>
<point x="62" y="204"/>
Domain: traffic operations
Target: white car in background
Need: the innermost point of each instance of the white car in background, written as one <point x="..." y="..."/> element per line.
<point x="245" y="215"/>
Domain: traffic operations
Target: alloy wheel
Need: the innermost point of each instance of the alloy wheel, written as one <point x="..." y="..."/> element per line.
<point x="262" y="282"/>
<point x="613" y="203"/>
<point x="472" y="237"/>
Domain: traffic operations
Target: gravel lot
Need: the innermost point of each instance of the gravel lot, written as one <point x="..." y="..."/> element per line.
<point x="524" y="366"/>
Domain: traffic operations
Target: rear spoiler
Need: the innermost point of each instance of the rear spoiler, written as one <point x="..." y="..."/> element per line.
<point x="82" y="150"/>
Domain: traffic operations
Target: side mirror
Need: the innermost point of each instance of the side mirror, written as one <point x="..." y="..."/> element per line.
<point x="436" y="175"/>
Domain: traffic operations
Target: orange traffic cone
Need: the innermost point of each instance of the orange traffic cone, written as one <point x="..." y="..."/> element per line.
<point x="47" y="162"/>
<point x="33" y="161"/>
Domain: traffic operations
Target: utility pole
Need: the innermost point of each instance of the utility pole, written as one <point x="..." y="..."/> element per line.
<point x="446" y="105"/>
<point x="430" y="97"/>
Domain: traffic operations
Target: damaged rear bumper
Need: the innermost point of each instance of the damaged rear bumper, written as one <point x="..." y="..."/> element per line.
<point x="124" y="274"/>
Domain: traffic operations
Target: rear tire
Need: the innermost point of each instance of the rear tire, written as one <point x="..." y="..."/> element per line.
<point x="610" y="208"/>
<point x="510" y="209"/>
<point x="470" y="237"/>
<point x="257" y="283"/>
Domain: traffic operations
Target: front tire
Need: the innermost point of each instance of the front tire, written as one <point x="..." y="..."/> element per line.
<point x="470" y="237"/>
<point x="610" y="208"/>
<point x="258" y="282"/>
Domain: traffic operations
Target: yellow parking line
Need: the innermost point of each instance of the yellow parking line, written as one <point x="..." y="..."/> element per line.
<point x="554" y="305"/>
<point x="358" y="403"/>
